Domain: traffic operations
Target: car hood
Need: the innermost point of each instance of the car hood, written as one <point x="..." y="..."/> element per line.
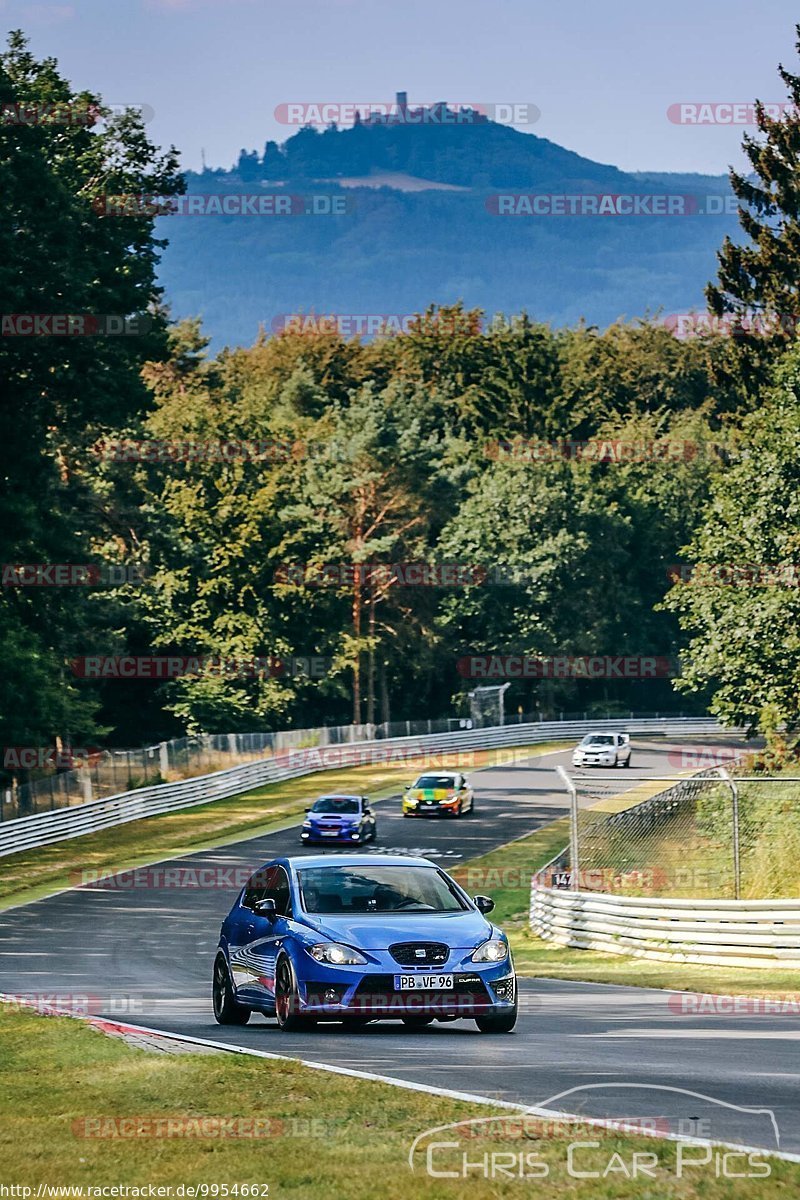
<point x="459" y="930"/>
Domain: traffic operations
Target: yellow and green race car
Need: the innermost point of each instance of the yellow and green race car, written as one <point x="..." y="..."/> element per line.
<point x="445" y="794"/>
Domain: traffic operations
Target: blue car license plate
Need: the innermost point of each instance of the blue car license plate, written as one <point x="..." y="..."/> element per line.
<point x="423" y="983"/>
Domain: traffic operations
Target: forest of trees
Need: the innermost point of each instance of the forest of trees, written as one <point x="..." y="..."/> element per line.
<point x="262" y="500"/>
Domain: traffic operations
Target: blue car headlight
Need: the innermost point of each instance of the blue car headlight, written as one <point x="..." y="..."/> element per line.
<point x="308" y="825"/>
<point x="494" y="951"/>
<point x="336" y="954"/>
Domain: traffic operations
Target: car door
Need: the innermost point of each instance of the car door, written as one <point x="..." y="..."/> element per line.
<point x="241" y="928"/>
<point x="269" y="933"/>
<point x="253" y="960"/>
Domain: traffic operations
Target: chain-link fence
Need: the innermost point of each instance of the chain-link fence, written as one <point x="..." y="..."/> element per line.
<point x="716" y="835"/>
<point x="107" y="772"/>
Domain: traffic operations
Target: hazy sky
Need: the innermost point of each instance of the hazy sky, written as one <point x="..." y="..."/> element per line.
<point x="602" y="74"/>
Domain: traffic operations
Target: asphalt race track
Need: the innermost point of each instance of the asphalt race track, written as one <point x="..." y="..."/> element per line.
<point x="144" y="954"/>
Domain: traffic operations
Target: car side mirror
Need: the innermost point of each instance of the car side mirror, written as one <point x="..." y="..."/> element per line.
<point x="308" y="809"/>
<point x="266" y="908"/>
<point x="484" y="904"/>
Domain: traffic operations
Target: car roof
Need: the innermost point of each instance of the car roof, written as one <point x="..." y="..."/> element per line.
<point x="354" y="860"/>
<point x="339" y="796"/>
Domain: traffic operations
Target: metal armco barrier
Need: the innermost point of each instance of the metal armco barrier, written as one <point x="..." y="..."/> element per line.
<point x="42" y="829"/>
<point x="736" y="933"/>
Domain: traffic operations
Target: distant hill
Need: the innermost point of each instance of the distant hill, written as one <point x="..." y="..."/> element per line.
<point x="422" y="226"/>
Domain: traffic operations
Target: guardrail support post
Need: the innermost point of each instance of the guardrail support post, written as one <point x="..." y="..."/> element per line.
<point x="737" y="868"/>
<point x="574" y="860"/>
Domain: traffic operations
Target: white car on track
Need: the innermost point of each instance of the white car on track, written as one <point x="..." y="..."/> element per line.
<point x="603" y="750"/>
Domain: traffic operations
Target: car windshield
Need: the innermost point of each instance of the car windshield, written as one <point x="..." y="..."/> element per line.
<point x="598" y="739"/>
<point x="436" y="782"/>
<point x="378" y="889"/>
<point x="335" y="804"/>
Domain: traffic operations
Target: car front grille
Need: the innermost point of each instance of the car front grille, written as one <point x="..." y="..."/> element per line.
<point x="378" y="991"/>
<point x="419" y="954"/>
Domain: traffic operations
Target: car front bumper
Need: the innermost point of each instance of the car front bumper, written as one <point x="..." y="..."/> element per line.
<point x="369" y="991"/>
<point x="438" y="808"/>
<point x="343" y="836"/>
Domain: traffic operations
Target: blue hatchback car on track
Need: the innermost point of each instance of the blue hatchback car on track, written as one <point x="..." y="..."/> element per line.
<point x="339" y="818"/>
<point x="355" y="938"/>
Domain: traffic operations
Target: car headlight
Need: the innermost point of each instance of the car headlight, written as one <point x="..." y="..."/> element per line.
<point x="306" y="824"/>
<point x="333" y="952"/>
<point x="495" y="950"/>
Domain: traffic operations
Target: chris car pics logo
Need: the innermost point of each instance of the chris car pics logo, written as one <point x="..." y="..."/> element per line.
<point x="546" y="1142"/>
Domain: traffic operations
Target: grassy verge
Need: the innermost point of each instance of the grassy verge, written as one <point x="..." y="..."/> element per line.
<point x="505" y="875"/>
<point x="35" y="873"/>
<point x="304" y="1133"/>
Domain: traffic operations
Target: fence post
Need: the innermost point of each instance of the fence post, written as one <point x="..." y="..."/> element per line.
<point x="737" y="869"/>
<point x="85" y="779"/>
<point x="574" y="849"/>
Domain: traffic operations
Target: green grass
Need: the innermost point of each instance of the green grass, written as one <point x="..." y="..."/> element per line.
<point x="322" y="1136"/>
<point x="540" y="958"/>
<point x="35" y="873"/>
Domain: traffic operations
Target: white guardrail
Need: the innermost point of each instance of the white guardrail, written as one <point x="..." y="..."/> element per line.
<point x="735" y="933"/>
<point x="42" y="829"/>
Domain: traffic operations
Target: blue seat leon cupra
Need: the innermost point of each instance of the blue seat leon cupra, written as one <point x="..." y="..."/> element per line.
<point x="354" y="938"/>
